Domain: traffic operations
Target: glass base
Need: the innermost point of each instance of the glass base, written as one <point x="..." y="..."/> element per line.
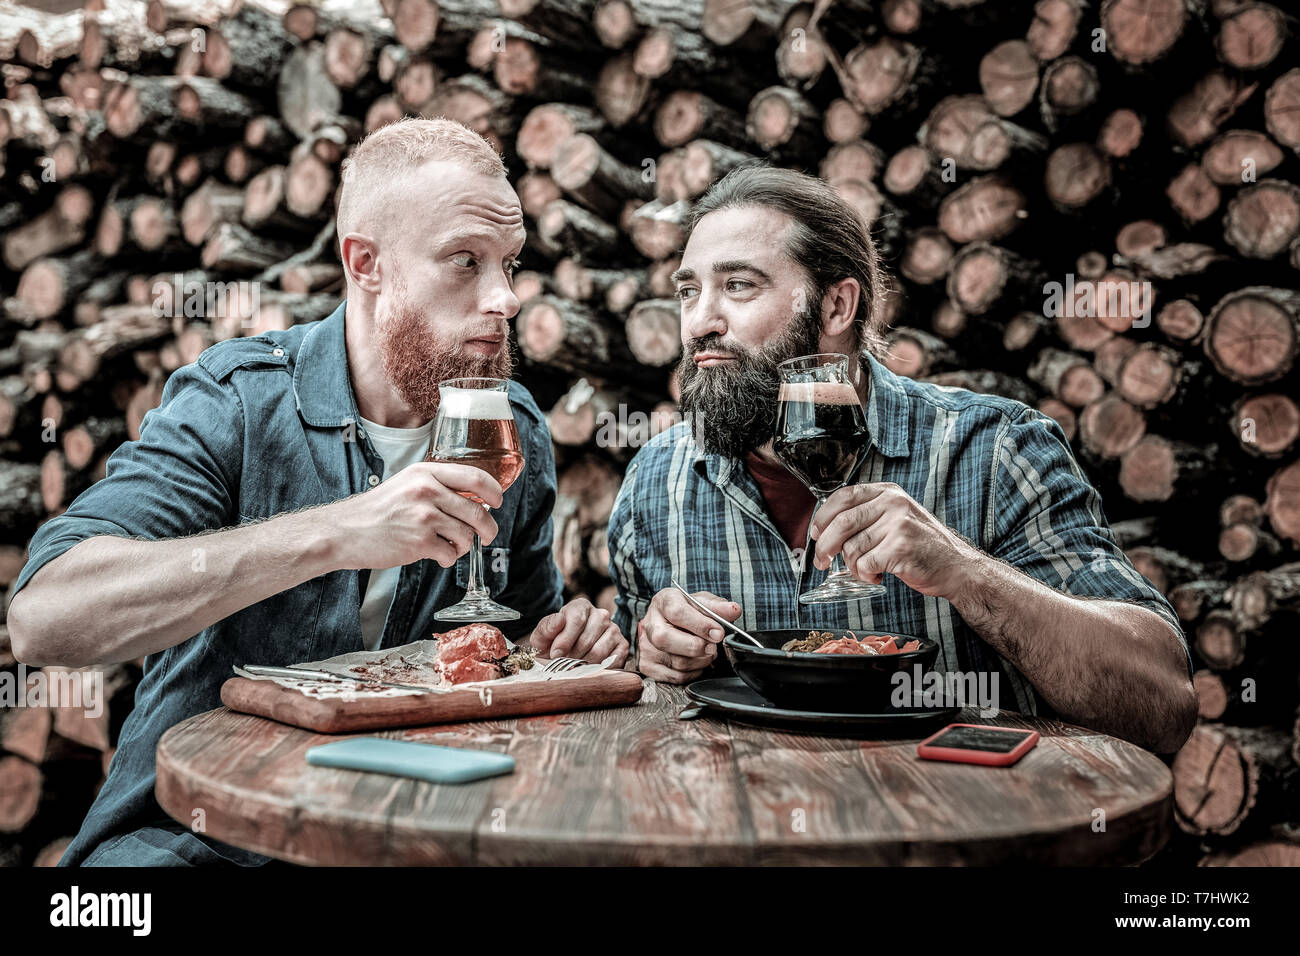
<point x="475" y="610"/>
<point x="841" y="587"/>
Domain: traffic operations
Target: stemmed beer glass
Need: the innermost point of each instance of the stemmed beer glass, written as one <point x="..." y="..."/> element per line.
<point x="821" y="436"/>
<point x="475" y="426"/>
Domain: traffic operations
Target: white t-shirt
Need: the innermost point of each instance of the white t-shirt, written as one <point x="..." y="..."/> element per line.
<point x="398" y="447"/>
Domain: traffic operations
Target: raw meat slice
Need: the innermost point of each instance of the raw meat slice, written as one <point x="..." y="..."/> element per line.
<point x="465" y="670"/>
<point x="478" y="642"/>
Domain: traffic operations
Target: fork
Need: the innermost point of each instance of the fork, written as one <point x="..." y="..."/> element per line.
<point x="690" y="599"/>
<point x="560" y="665"/>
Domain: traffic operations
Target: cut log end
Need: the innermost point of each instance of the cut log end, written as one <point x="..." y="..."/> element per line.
<point x="1252" y="336"/>
<point x="1268" y="424"/>
<point x="1142" y="31"/>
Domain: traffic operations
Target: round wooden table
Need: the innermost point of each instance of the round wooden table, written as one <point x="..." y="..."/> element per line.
<point x="636" y="785"/>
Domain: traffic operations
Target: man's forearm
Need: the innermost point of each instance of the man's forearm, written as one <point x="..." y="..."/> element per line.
<point x="1104" y="664"/>
<point x="111" y="599"/>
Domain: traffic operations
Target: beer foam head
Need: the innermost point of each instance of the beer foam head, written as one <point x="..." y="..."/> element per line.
<point x="471" y="403"/>
<point x="820" y="393"/>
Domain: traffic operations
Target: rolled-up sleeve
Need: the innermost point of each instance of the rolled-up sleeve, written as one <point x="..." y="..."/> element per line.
<point x="1048" y="522"/>
<point x="180" y="478"/>
<point x="534" y="586"/>
<point x="633" y="600"/>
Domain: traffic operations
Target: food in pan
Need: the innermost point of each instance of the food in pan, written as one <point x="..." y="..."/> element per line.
<point x="846" y="645"/>
<point x="824" y="642"/>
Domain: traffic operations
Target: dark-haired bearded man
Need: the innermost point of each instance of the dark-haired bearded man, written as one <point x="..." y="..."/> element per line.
<point x="969" y="508"/>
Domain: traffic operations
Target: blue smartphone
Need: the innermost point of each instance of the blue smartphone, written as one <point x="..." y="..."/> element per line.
<point x="406" y="758"/>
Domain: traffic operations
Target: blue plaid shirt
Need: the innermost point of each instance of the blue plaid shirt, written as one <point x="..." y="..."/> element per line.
<point x="995" y="470"/>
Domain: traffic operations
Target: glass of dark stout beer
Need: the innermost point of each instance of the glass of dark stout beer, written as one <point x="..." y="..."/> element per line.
<point x="821" y="434"/>
<point x="475" y="426"/>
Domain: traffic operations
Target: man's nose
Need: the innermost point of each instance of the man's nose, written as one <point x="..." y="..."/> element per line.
<point x="499" y="298"/>
<point x="704" y="318"/>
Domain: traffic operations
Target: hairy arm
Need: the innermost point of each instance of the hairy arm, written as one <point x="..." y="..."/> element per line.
<point x="1057" y="596"/>
<point x="111" y="599"/>
<point x="1106" y="664"/>
<point x="153" y="553"/>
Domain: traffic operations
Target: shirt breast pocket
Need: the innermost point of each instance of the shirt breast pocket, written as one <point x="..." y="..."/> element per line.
<point x="496" y="569"/>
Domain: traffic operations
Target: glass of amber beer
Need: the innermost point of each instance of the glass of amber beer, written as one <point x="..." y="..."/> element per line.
<point x="475" y="426"/>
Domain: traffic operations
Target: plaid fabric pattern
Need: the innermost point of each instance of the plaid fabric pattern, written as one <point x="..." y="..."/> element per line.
<point x="995" y="470"/>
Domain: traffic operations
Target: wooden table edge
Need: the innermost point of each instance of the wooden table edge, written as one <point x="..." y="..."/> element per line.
<point x="478" y="845"/>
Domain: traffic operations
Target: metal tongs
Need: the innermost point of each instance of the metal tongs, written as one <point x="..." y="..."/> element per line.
<point x="713" y="617"/>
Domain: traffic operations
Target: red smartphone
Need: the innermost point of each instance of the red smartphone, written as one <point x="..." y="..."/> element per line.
<point x="978" y="743"/>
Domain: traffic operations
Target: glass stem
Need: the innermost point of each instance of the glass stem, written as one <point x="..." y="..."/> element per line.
<point x="837" y="567"/>
<point x="476" y="586"/>
<point x="476" y="575"/>
<point x="837" y="563"/>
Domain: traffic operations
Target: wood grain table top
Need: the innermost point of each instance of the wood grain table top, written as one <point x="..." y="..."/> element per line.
<point x="636" y="785"/>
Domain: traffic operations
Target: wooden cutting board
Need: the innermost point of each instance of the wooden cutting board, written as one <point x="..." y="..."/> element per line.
<point x="609" y="688"/>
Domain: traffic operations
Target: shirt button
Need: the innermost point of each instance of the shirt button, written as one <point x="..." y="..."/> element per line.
<point x="374" y="480"/>
<point x="277" y="352"/>
<point x="361" y="432"/>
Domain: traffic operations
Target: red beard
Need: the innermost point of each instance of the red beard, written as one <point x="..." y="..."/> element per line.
<point x="415" y="361"/>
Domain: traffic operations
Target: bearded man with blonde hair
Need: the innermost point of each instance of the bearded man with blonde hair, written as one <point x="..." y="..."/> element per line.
<point x="277" y="507"/>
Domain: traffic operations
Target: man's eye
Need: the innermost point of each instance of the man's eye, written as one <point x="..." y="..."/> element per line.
<point x="738" y="285"/>
<point x="512" y="267"/>
<point x="685" y="292"/>
<point x="465" y="261"/>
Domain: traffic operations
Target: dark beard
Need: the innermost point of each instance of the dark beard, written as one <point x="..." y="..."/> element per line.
<point x="415" y="362"/>
<point x="732" y="408"/>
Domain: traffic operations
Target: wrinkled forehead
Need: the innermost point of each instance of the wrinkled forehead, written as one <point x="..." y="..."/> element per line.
<point x="445" y="199"/>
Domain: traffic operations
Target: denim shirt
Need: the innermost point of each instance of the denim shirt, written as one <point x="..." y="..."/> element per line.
<point x="254" y="428"/>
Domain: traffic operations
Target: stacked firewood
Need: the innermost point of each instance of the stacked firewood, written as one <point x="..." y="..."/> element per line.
<point x="55" y="751"/>
<point x="1138" y="154"/>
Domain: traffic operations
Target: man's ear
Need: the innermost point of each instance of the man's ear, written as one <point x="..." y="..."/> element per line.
<point x="840" y="307"/>
<point x="360" y="256"/>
